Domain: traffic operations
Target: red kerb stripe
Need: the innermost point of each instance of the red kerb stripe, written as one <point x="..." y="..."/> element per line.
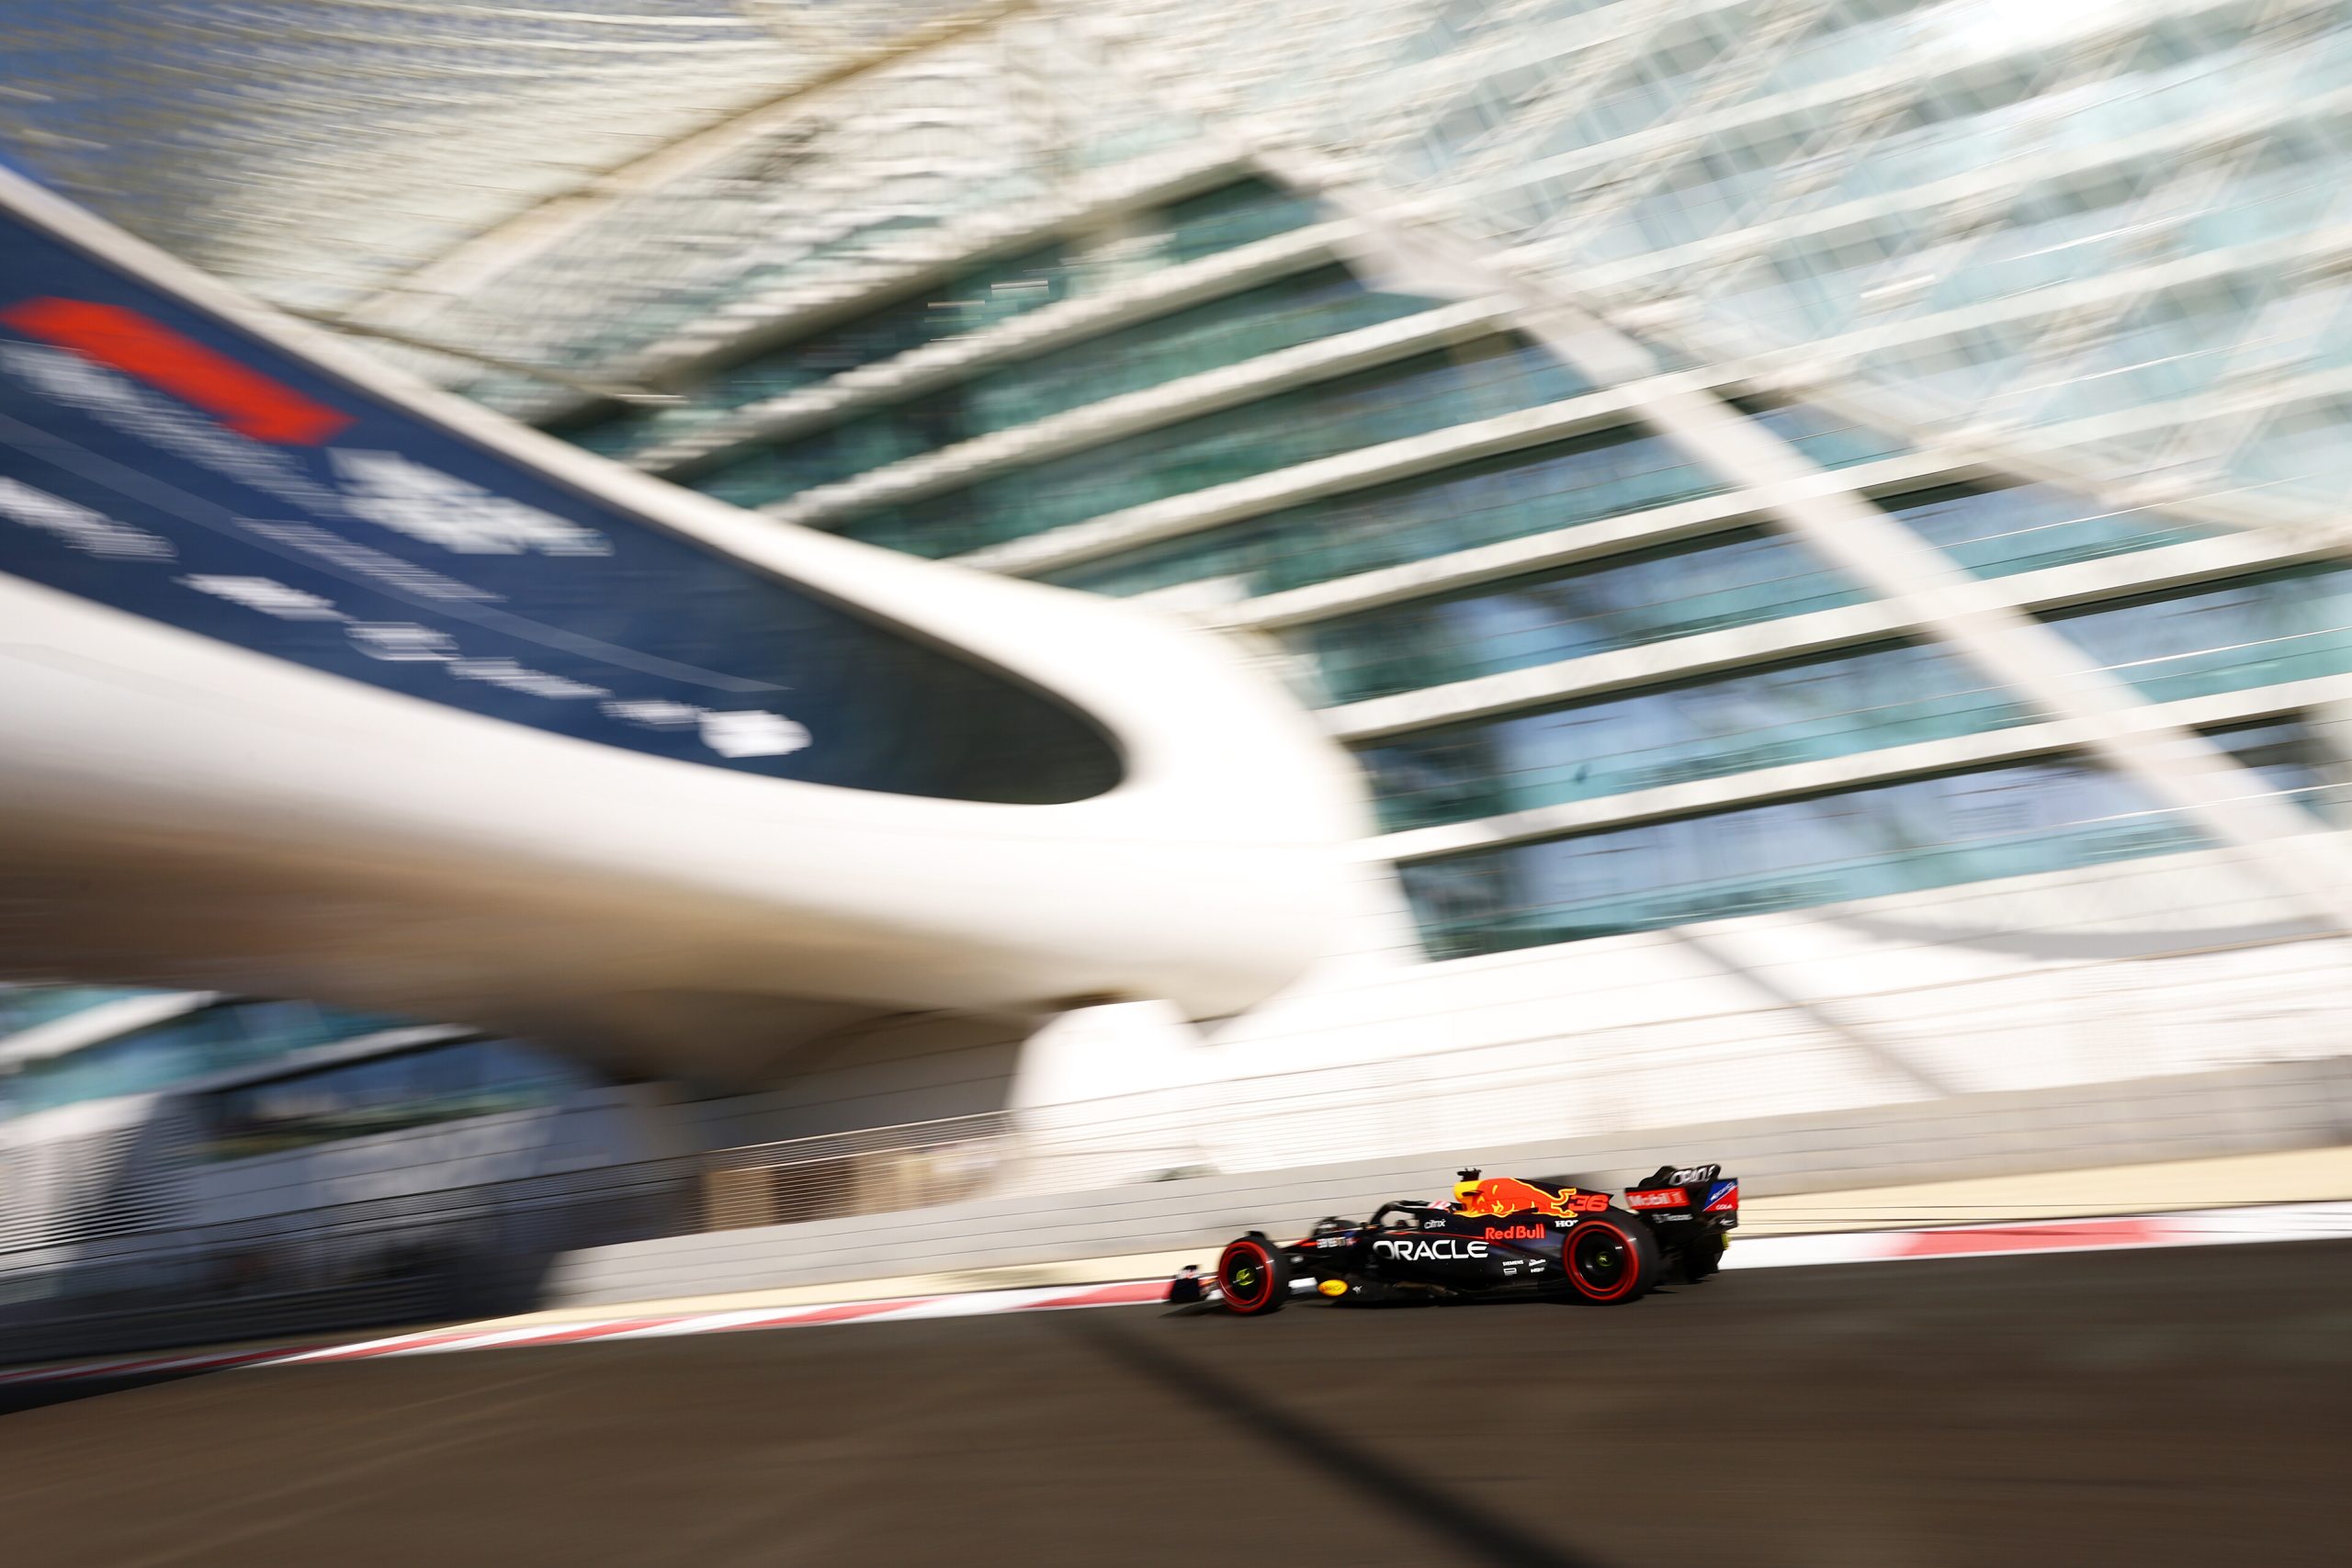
<point x="2034" y="1238"/>
<point x="845" y="1312"/>
<point x="589" y="1331"/>
<point x="1105" y="1295"/>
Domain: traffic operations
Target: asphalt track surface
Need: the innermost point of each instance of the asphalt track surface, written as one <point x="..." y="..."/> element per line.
<point x="2144" y="1408"/>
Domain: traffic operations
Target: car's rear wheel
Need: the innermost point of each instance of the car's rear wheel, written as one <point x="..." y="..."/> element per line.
<point x="1611" y="1258"/>
<point x="1253" y="1276"/>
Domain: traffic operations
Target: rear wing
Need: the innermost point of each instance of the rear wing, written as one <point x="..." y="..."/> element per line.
<point x="1684" y="1193"/>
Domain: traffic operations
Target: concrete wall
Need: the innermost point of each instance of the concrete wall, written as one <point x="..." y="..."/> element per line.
<point x="885" y="1073"/>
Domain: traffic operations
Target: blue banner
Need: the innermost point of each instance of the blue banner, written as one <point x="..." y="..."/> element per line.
<point x="159" y="458"/>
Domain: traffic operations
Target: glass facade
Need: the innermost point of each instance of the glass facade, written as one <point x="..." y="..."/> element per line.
<point x="2252" y="631"/>
<point x="1730" y="580"/>
<point x="1609" y="473"/>
<point x="27" y="1006"/>
<point x="2015" y="820"/>
<point x="193" y="1045"/>
<point x="1892" y="695"/>
<point x="2292" y="762"/>
<point x="2102" y="230"/>
<point x="972" y="299"/>
<point x="1225" y="331"/>
<point x="1428" y="392"/>
<point x="978" y="297"/>
<point x="385" y="1094"/>
<point x="1993" y="530"/>
<point x="1823" y="436"/>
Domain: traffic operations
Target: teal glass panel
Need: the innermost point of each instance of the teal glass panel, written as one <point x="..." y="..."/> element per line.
<point x="1233" y="216"/>
<point x="193" y="1045"/>
<point x="1210" y="337"/>
<point x="1824" y="437"/>
<point x="1323" y="303"/>
<point x="1607" y="474"/>
<point x="2076" y="225"/>
<point x="2293" y="762"/>
<point x="2014" y="820"/>
<point x="972" y="299"/>
<point x="28" y="1007"/>
<point x="2252" y="631"/>
<point x="2289" y="187"/>
<point x="1890" y="694"/>
<point x="1667" y="356"/>
<point x="1847" y="39"/>
<point x="1388" y="403"/>
<point x="969" y="301"/>
<point x="385" y="1094"/>
<point x="613" y="431"/>
<point x="1238" y="550"/>
<point x="1956" y="123"/>
<point x="2175" y="345"/>
<point x="1730" y="580"/>
<point x="1993" y="530"/>
<point x="768" y="473"/>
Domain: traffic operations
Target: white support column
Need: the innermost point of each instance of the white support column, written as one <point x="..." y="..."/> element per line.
<point x="1108" y="1094"/>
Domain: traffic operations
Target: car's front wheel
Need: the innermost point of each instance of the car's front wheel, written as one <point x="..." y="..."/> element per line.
<point x="1253" y="1276"/>
<point x="1611" y="1258"/>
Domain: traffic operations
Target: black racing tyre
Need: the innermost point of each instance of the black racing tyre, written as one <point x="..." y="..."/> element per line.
<point x="1704" y="1257"/>
<point x="1254" y="1276"/>
<point x="1611" y="1258"/>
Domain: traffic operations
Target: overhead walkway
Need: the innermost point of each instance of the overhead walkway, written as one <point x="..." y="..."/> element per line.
<point x="347" y="690"/>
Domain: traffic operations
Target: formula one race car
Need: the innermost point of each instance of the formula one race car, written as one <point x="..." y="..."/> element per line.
<point x="1498" y="1234"/>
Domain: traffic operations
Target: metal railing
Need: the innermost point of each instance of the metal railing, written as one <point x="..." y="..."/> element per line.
<point x="867" y="1172"/>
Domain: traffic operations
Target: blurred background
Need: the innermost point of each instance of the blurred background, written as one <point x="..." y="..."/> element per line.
<point x="1819" y="527"/>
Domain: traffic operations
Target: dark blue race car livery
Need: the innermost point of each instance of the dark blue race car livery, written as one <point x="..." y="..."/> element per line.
<point x="1500" y="1235"/>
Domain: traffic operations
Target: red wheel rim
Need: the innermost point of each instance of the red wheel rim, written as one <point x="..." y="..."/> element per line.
<point x="1245" y="1274"/>
<point x="1602" y="1267"/>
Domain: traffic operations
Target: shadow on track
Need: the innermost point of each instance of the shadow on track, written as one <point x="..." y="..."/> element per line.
<point x="1478" y="1535"/>
<point x="18" y="1398"/>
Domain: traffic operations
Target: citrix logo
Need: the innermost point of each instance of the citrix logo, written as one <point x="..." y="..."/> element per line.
<point x="1432" y="1249"/>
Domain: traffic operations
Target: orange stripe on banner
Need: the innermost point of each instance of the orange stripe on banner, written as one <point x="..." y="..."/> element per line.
<point x="246" y="400"/>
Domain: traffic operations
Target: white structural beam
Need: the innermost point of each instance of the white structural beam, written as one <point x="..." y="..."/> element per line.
<point x="556" y="218"/>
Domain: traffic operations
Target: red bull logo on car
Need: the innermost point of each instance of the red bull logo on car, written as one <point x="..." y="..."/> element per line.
<point x="1502" y="1195"/>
